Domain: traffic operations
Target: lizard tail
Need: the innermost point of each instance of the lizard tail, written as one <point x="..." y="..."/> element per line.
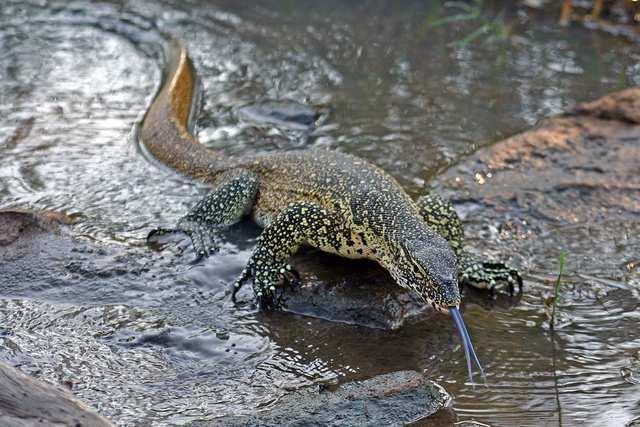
<point x="166" y="132"/>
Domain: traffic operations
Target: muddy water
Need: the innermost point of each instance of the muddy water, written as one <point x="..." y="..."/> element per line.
<point x="146" y="338"/>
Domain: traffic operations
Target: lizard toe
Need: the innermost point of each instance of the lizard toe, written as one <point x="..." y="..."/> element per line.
<point x="203" y="237"/>
<point x="292" y="278"/>
<point x="268" y="283"/>
<point x="487" y="275"/>
<point x="244" y="277"/>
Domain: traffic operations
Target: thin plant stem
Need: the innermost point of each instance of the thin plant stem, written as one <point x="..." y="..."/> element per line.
<point x="556" y="295"/>
<point x="556" y="291"/>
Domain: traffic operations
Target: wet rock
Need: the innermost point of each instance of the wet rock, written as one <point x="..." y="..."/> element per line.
<point x="283" y="113"/>
<point x="15" y="224"/>
<point x="579" y="167"/>
<point x="25" y="401"/>
<point x="568" y="184"/>
<point x="623" y="106"/>
<point x="354" y="292"/>
<point x="391" y="400"/>
<point x="38" y="245"/>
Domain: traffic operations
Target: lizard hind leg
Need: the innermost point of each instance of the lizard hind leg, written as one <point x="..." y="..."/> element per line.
<point x="297" y="224"/>
<point x="231" y="198"/>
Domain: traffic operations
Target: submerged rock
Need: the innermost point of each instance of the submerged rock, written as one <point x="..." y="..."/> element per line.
<point x="570" y="184"/>
<point x="283" y="113"/>
<point x="576" y="167"/>
<point x="25" y="401"/>
<point x="387" y="400"/>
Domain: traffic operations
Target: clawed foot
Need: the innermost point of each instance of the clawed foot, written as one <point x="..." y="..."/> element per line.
<point x="203" y="237"/>
<point x="268" y="282"/>
<point x="159" y="238"/>
<point x="487" y="275"/>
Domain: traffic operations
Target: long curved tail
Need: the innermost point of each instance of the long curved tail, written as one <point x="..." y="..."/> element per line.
<point x="167" y="127"/>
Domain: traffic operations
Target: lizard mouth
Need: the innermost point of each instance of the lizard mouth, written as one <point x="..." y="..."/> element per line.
<point x="469" y="352"/>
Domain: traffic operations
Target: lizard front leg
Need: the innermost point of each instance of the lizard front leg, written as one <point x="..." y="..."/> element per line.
<point x="299" y="223"/>
<point x="440" y="215"/>
<point x="231" y="198"/>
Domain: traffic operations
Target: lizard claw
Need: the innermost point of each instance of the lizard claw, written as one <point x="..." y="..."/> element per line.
<point x="268" y="283"/>
<point x="292" y="278"/>
<point x="202" y="238"/>
<point x="244" y="276"/>
<point x="159" y="238"/>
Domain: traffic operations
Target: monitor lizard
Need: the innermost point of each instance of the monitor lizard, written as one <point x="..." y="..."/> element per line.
<point x="332" y="201"/>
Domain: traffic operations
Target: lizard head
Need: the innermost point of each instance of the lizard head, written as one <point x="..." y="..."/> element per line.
<point x="426" y="264"/>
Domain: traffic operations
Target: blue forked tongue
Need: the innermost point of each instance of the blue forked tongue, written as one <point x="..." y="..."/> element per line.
<point x="469" y="352"/>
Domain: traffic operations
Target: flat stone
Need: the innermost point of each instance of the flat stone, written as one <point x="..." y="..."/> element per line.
<point x="355" y="292"/>
<point x="393" y="399"/>
<point x="25" y="401"/>
<point x="570" y="183"/>
<point x="577" y="167"/>
<point x="283" y="113"/>
<point x="15" y="224"/>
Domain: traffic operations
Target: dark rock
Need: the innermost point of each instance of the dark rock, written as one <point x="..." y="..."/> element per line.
<point x="283" y="113"/>
<point x="25" y="401"/>
<point x="354" y="292"/>
<point x="387" y="400"/>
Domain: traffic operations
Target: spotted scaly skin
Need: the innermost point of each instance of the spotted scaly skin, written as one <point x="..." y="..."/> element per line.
<point x="335" y="202"/>
<point x="442" y="217"/>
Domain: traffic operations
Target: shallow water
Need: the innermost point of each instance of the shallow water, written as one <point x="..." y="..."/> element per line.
<point x="145" y="337"/>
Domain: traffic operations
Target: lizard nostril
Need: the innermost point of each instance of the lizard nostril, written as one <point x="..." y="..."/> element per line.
<point x="450" y="292"/>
